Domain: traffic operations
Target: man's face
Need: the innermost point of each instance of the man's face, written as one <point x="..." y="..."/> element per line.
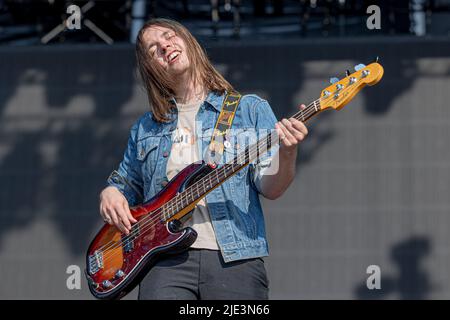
<point x="165" y="47"/>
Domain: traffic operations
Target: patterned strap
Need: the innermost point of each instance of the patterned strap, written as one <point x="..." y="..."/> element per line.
<point x="223" y="125"/>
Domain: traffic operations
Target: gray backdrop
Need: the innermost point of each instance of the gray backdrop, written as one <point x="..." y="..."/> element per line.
<point x="371" y="186"/>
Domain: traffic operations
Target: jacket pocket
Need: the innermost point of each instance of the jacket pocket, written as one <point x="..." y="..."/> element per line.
<point x="147" y="154"/>
<point x="234" y="151"/>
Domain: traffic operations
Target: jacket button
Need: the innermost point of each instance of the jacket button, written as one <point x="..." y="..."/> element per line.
<point x="165" y="154"/>
<point x="164" y="183"/>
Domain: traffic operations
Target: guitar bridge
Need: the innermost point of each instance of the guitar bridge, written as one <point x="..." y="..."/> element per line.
<point x="95" y="262"/>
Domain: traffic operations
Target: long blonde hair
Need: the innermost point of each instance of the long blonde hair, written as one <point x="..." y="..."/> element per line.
<point x="159" y="85"/>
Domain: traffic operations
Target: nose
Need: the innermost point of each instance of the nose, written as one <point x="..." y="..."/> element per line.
<point x="165" y="44"/>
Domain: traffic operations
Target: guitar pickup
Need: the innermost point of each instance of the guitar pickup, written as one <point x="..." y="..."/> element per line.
<point x="128" y="245"/>
<point x="128" y="240"/>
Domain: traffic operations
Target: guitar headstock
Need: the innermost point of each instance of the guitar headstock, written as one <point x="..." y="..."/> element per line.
<point x="340" y="92"/>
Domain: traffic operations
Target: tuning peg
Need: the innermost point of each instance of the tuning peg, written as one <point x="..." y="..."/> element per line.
<point x="359" y="66"/>
<point x="333" y="80"/>
<point x="347" y="73"/>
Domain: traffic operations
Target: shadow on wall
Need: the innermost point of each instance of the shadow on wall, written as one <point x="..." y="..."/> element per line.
<point x="279" y="81"/>
<point x="279" y="73"/>
<point x="411" y="281"/>
<point x="56" y="169"/>
<point x="399" y="76"/>
<point x="56" y="165"/>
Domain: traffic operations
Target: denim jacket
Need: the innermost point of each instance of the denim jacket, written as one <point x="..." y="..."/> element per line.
<point x="234" y="206"/>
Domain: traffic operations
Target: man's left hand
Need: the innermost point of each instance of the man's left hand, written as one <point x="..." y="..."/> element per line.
<point x="291" y="132"/>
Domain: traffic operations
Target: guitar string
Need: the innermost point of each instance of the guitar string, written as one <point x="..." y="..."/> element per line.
<point x="185" y="195"/>
<point x="220" y="175"/>
<point x="305" y="115"/>
<point x="249" y="152"/>
<point x="148" y="226"/>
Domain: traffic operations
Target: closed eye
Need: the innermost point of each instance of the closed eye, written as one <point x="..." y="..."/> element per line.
<point x="170" y="36"/>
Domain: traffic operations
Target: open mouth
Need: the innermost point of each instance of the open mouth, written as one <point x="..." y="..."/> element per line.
<point x="173" y="57"/>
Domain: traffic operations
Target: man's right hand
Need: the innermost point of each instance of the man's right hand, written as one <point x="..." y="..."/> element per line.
<point x="114" y="209"/>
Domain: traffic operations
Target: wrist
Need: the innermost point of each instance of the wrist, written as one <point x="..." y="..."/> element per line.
<point x="288" y="152"/>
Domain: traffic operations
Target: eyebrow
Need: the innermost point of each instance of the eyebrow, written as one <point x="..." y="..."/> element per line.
<point x="163" y="35"/>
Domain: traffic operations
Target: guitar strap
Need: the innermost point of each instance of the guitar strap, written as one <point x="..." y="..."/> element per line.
<point x="222" y="127"/>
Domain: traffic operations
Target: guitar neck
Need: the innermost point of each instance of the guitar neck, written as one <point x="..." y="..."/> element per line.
<point x="253" y="152"/>
<point x="335" y="96"/>
<point x="216" y="177"/>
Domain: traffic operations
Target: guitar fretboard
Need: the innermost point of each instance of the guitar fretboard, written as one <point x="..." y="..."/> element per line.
<point x="218" y="175"/>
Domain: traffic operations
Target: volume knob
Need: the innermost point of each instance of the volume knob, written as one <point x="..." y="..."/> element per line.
<point x="106" y="284"/>
<point x="120" y="273"/>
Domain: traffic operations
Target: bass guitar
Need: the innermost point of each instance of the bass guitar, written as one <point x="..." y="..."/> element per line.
<point x="116" y="263"/>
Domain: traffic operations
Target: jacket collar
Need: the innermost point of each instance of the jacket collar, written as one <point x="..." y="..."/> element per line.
<point x="215" y="100"/>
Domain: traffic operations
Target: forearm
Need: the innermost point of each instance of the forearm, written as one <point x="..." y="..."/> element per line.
<point x="273" y="186"/>
<point x="291" y="132"/>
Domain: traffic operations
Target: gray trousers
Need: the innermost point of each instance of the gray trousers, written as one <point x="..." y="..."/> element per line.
<point x="202" y="274"/>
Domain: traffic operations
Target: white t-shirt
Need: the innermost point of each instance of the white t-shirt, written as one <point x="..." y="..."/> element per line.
<point x="184" y="152"/>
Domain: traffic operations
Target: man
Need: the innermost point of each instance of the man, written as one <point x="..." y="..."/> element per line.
<point x="186" y="94"/>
